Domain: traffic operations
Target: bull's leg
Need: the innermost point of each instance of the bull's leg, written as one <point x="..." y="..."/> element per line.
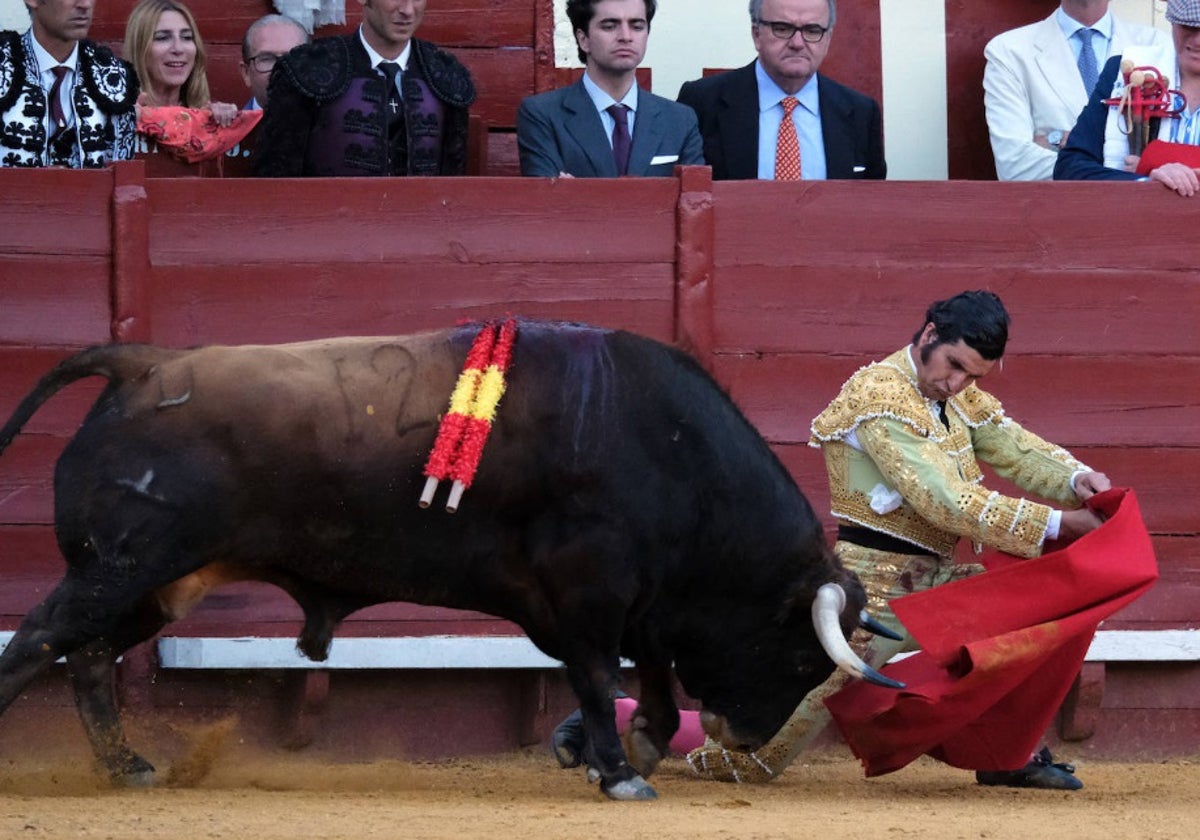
<point x="602" y="750"/>
<point x="93" y="675"/>
<point x="34" y="646"/>
<point x="655" y="720"/>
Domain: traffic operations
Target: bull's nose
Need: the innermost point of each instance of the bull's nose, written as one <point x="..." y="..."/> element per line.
<point x="717" y="727"/>
<point x="711" y="724"/>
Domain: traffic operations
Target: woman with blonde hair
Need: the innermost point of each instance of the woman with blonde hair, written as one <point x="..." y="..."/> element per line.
<point x="163" y="44"/>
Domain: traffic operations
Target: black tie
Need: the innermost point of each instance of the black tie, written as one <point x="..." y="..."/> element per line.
<point x="395" y="114"/>
<point x="56" y="109"/>
<point x="942" y="414"/>
<point x="620" y="137"/>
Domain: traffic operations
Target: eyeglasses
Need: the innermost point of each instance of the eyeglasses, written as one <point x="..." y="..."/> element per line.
<point x="264" y="62"/>
<point x="812" y="33"/>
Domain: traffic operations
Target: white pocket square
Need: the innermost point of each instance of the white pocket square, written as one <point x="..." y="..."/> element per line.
<point x="657" y="159"/>
<point x="858" y="169"/>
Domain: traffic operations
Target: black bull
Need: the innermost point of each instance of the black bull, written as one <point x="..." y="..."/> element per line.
<point x="623" y="508"/>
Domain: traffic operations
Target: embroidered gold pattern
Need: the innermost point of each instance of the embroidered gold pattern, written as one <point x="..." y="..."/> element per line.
<point x="906" y="447"/>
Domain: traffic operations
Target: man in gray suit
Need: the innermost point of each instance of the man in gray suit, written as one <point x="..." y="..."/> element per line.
<point x="605" y="125"/>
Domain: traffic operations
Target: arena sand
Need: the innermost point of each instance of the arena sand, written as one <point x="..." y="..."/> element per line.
<point x="220" y="790"/>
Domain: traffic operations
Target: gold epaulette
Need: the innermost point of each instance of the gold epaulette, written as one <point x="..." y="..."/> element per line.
<point x="977" y="407"/>
<point x="881" y="389"/>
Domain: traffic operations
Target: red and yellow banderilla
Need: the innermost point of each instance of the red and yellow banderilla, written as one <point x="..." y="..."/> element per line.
<point x="465" y="427"/>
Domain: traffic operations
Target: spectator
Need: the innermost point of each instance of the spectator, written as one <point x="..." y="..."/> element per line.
<point x="76" y="108"/>
<point x="1098" y="148"/>
<point x="267" y="40"/>
<point x="376" y="102"/>
<point x="1038" y="78"/>
<point x="605" y="125"/>
<point x="164" y="45"/>
<point x="833" y="131"/>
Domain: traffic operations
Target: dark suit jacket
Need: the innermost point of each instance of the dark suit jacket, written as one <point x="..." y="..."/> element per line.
<point x="560" y="131"/>
<point x="1082" y="158"/>
<point x="727" y="107"/>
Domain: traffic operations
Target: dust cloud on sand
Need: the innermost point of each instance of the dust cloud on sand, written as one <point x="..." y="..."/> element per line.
<point x="220" y="788"/>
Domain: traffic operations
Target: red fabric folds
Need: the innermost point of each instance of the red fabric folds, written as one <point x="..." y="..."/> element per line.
<point x="191" y="134"/>
<point x="1158" y="152"/>
<point x="999" y="650"/>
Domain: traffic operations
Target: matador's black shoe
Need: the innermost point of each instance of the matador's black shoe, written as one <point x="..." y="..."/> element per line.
<point x="1041" y="772"/>
<point x="566" y="742"/>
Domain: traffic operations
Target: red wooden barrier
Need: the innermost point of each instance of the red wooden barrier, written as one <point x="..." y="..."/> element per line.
<point x="782" y="289"/>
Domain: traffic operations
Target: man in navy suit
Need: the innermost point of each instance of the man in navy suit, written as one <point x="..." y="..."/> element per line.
<point x="605" y="125"/>
<point x="840" y="130"/>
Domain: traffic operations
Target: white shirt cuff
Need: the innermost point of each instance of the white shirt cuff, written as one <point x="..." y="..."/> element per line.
<point x="1053" y="525"/>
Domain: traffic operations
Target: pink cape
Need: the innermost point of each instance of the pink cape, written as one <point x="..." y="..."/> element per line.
<point x="191" y="134"/>
<point x="1000" y="650"/>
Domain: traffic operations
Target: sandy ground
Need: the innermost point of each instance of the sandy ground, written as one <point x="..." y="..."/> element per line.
<point x="524" y="795"/>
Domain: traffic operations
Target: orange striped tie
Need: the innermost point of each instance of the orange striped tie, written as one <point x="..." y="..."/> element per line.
<point x="787" y="146"/>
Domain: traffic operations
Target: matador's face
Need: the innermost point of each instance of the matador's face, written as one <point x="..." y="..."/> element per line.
<point x="944" y="369"/>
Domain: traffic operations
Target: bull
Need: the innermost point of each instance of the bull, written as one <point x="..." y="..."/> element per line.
<point x="623" y="507"/>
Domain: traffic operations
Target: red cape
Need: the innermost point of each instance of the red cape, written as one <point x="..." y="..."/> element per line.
<point x="999" y="650"/>
<point x="1158" y="152"/>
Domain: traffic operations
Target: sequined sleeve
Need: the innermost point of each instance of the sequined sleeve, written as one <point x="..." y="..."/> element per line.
<point x="1033" y="464"/>
<point x="931" y="483"/>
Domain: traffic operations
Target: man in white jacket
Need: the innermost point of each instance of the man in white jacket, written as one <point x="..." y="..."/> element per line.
<point x="1034" y="87"/>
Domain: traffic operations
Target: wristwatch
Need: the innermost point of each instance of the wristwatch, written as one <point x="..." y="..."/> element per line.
<point x="1055" y="139"/>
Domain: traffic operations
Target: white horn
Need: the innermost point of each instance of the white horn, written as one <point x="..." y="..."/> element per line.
<point x="827" y="610"/>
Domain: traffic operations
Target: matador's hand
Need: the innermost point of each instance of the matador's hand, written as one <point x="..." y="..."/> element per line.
<point x="1088" y="484"/>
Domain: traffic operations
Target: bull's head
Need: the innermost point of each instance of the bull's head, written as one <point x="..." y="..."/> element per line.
<point x="747" y="701"/>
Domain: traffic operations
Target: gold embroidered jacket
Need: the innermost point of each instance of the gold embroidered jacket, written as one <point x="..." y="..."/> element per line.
<point x="915" y="480"/>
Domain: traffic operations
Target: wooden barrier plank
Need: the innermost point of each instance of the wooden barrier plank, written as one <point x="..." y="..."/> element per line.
<point x="869" y="309"/>
<point x="27" y="479"/>
<point x="503" y="157"/>
<point x="53" y="301"/>
<point x="59" y="212"/>
<point x="20" y="369"/>
<point x="1055" y="396"/>
<point x="483" y="23"/>
<point x="405" y="221"/>
<point x="1179" y="694"/>
<point x="971" y="224"/>
<point x="1173" y="598"/>
<point x="246" y="609"/>
<point x="297" y="301"/>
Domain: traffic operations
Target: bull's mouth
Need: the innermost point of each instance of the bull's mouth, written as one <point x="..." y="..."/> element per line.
<point x="717" y="727"/>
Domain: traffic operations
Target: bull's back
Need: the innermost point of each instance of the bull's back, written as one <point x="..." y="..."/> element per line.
<point x="337" y="399"/>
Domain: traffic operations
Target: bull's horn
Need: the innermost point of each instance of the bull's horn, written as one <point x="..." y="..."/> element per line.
<point x="869" y="622"/>
<point x="826" y="614"/>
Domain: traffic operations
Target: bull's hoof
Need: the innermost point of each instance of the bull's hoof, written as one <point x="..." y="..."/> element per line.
<point x="133" y="771"/>
<point x="643" y="755"/>
<point x="145" y="779"/>
<point x="630" y="790"/>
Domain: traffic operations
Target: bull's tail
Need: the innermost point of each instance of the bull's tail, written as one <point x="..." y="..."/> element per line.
<point x="115" y="362"/>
